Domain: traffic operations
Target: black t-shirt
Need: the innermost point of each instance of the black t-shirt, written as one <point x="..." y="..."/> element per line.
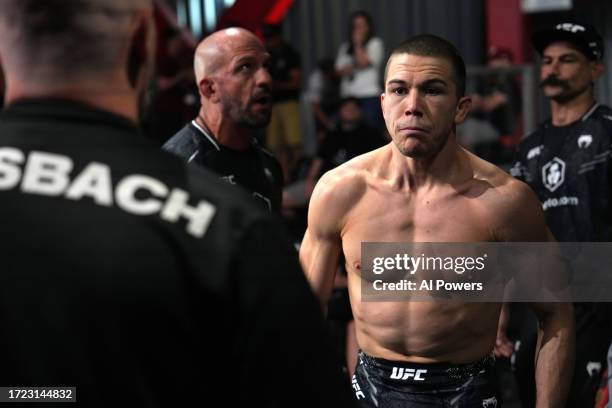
<point x="341" y="145"/>
<point x="503" y="117"/>
<point x="283" y="59"/>
<point x="255" y="169"/>
<point x="569" y="169"/>
<point x="142" y="282"/>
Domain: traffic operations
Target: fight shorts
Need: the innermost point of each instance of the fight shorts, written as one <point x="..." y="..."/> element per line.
<point x="392" y="384"/>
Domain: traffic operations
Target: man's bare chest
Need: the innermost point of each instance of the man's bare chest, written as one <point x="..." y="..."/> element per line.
<point x="450" y="218"/>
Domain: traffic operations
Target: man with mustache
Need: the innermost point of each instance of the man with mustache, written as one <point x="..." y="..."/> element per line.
<point x="566" y="161"/>
<point x="423" y="187"/>
<point x="235" y="92"/>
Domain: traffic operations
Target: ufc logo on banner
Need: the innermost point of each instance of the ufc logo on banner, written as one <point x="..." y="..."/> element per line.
<point x="400" y="373"/>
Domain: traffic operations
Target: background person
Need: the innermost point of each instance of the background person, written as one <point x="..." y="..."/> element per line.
<point x="236" y="101"/>
<point x="567" y="163"/>
<point x="284" y="133"/>
<point x="126" y="274"/>
<point x="359" y="63"/>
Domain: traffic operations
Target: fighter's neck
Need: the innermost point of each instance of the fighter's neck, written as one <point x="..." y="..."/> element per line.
<point x="122" y="103"/>
<point x="415" y="174"/>
<point x="568" y="112"/>
<point x="226" y="132"/>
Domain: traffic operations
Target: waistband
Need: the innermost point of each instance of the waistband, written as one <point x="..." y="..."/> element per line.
<point x="403" y="372"/>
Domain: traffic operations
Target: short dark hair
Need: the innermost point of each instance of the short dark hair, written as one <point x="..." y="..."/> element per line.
<point x="429" y="45"/>
<point x="63" y="35"/>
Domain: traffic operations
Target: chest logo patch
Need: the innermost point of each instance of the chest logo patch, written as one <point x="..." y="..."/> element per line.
<point x="553" y="174"/>
<point x="585" y="141"/>
<point x="534" y="152"/>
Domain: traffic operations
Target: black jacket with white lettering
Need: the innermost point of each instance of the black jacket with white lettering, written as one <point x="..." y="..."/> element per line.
<point x="570" y="170"/>
<point x="255" y="169"/>
<point x="142" y="282"/>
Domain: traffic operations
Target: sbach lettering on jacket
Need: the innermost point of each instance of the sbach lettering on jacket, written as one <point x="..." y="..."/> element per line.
<point x="48" y="174"/>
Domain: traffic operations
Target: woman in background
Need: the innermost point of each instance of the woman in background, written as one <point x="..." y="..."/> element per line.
<point x="359" y="65"/>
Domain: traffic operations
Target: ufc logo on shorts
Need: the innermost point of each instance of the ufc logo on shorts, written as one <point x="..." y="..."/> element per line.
<point x="358" y="393"/>
<point x="400" y="373"/>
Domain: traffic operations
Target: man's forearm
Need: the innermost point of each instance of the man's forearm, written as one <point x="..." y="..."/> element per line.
<point x="555" y="357"/>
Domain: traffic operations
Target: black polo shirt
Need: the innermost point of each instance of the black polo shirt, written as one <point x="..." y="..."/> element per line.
<point x="142" y="282"/>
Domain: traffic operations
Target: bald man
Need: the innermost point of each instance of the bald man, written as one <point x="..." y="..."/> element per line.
<point x="235" y="93"/>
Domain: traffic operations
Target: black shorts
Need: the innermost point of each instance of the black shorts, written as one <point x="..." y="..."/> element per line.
<point x="389" y="384"/>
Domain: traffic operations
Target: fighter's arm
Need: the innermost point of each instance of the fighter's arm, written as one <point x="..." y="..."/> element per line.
<point x="556" y="333"/>
<point x="321" y="246"/>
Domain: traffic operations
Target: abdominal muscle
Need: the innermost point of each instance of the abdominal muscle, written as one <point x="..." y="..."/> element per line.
<point x="423" y="332"/>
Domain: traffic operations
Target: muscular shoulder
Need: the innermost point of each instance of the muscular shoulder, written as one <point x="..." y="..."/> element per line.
<point x="340" y="189"/>
<point x="511" y="206"/>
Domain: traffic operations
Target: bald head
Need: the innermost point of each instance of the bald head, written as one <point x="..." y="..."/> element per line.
<point x="216" y="50"/>
<point x="41" y="40"/>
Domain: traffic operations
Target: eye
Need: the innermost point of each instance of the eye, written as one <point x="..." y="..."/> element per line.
<point x="399" y="91"/>
<point x="568" y="59"/>
<point x="246" y="67"/>
<point x="433" y="91"/>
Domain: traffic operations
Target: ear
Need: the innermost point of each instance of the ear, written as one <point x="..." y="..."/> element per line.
<point x="382" y="103"/>
<point x="597" y="70"/>
<point x="208" y="89"/>
<point x="142" y="47"/>
<point x="463" y="108"/>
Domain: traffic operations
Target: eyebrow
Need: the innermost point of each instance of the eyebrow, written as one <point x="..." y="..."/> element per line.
<point x="244" y="58"/>
<point x="567" y="54"/>
<point x="432" y="81"/>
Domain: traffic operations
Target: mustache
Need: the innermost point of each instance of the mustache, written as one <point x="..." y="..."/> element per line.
<point x="554" y="81"/>
<point x="262" y="91"/>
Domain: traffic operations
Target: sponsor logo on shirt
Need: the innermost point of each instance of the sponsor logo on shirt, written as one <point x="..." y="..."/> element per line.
<point x="560" y="202"/>
<point x="489" y="402"/>
<point x="593" y="368"/>
<point x="584" y="141"/>
<point x="534" y="152"/>
<point x="52" y="175"/>
<point x="401" y="373"/>
<point x="229" y="179"/>
<point x="553" y="174"/>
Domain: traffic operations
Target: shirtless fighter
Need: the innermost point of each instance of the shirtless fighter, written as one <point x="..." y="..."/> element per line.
<point x="423" y="187"/>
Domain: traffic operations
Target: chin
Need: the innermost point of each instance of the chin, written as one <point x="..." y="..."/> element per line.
<point x="258" y="122"/>
<point x="414" y="152"/>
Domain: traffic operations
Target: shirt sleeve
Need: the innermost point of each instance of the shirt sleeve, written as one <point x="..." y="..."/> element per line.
<point x="286" y="353"/>
<point x="314" y="87"/>
<point x="518" y="167"/>
<point x="376" y="51"/>
<point x="343" y="58"/>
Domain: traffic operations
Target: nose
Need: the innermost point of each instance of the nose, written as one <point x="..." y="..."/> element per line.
<point x="263" y="78"/>
<point x="552" y="68"/>
<point x="413" y="103"/>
